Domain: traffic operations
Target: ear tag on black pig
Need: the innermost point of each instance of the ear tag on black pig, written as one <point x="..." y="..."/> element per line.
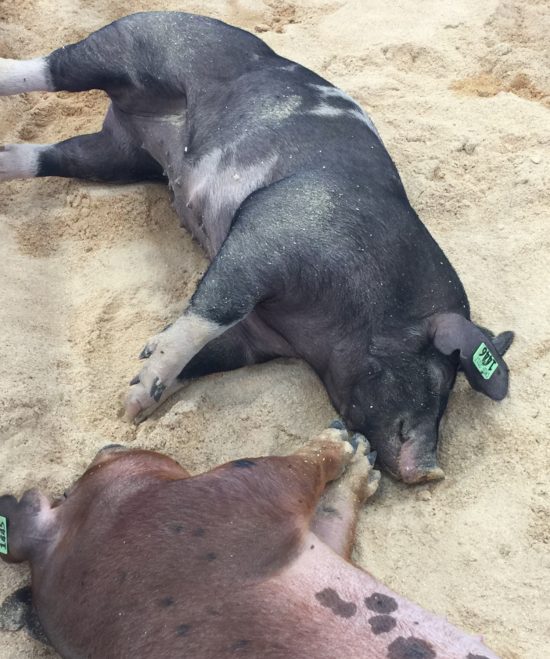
<point x="3" y="535"/>
<point x="484" y="361"/>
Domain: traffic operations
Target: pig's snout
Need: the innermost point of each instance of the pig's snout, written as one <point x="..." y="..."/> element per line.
<point x="410" y="456"/>
<point x="417" y="461"/>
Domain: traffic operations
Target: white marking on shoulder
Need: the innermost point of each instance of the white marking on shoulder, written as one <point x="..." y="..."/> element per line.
<point x="219" y="189"/>
<point x="27" y="75"/>
<point x="19" y="160"/>
<point x="327" y="110"/>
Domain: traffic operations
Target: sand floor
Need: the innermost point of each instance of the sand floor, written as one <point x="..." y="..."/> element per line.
<point x="459" y="92"/>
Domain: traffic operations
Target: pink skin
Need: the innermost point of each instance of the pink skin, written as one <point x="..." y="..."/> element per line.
<point x="251" y="558"/>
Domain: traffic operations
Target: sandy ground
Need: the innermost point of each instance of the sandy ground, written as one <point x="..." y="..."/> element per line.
<point x="459" y="92"/>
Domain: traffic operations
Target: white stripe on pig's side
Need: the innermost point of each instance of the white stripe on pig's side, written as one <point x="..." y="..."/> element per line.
<point x="327" y="110"/>
<point x="27" y="75"/>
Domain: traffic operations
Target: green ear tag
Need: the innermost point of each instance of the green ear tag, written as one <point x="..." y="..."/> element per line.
<point x="3" y="535"/>
<point x="484" y="361"/>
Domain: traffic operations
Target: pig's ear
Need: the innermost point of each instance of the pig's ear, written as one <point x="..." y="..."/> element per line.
<point x="480" y="356"/>
<point x="501" y="342"/>
<point x="25" y="526"/>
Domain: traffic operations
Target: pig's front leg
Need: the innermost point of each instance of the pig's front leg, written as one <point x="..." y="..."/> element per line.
<point x="167" y="353"/>
<point x="336" y="515"/>
<point x="241" y="345"/>
<point x="238" y="279"/>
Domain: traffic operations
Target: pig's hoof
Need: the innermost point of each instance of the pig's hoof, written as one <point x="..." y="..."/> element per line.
<point x="18" y="161"/>
<point x="360" y="476"/>
<point x="150" y="347"/>
<point x="152" y="344"/>
<point x="137" y="400"/>
<point x="139" y="406"/>
<point x="327" y="442"/>
<point x="338" y="424"/>
<point x="165" y="359"/>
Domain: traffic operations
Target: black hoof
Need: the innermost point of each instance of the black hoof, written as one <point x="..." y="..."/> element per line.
<point x="157" y="389"/>
<point x="372" y="457"/>
<point x="134" y="380"/>
<point x="145" y="353"/>
<point x="338" y="424"/>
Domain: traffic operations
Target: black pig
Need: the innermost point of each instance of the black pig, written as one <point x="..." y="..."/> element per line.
<point x="283" y="179"/>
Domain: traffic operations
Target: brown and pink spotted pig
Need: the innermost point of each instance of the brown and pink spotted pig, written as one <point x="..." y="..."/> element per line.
<point x="251" y="559"/>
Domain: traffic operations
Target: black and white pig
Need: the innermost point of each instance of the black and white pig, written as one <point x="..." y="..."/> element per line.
<point x="282" y="178"/>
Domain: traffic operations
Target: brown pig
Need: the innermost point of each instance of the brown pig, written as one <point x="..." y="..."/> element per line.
<point x="251" y="559"/>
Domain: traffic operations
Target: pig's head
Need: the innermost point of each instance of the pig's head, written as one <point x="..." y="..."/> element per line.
<point x="402" y="387"/>
<point x="32" y="526"/>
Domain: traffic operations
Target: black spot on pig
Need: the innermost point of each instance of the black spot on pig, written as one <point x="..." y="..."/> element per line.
<point x="176" y="528"/>
<point x="211" y="556"/>
<point x="182" y="630"/>
<point x="410" y="648"/>
<point x="244" y="464"/>
<point x="165" y="602"/>
<point x="476" y="656"/>
<point x="330" y="598"/>
<point x="382" y="624"/>
<point x="381" y="603"/>
<point x="198" y="532"/>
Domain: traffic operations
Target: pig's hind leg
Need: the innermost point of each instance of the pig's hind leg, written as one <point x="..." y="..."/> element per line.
<point x="109" y="155"/>
<point x="336" y="515"/>
<point x="128" y="61"/>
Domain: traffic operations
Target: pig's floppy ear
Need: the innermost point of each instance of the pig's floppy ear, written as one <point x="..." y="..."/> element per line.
<point x="480" y="358"/>
<point x="24" y="526"/>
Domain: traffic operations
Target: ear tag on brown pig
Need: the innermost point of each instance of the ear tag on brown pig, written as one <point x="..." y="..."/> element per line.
<point x="3" y="535"/>
<point x="484" y="361"/>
